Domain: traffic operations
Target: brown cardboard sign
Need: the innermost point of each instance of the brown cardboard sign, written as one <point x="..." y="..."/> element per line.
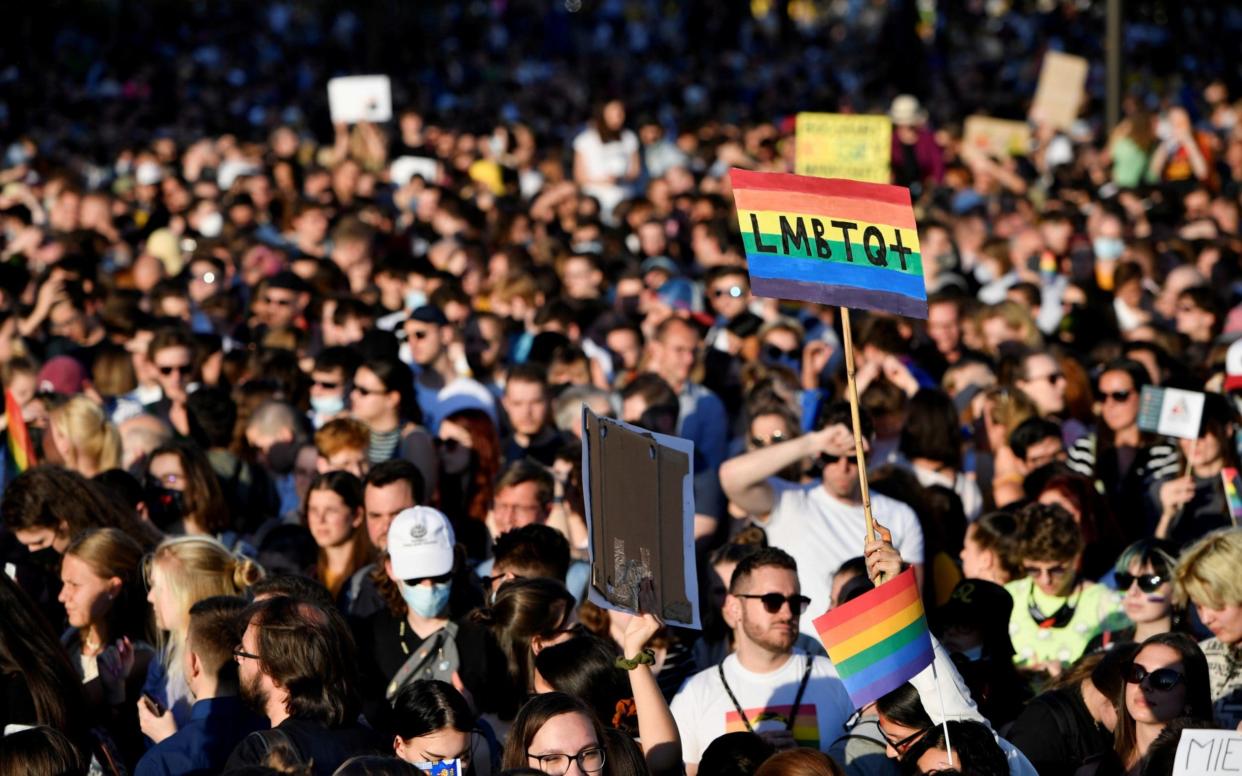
<point x="640" y="518"/>
<point x="1062" y="87"/>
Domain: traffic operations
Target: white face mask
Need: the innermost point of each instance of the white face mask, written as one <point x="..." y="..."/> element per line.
<point x="211" y="224"/>
<point x="973" y="654"/>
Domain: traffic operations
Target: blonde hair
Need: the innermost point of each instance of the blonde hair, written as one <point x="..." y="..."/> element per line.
<point x="93" y="436"/>
<point x="1016" y="317"/>
<point x="194" y="568"/>
<point x="1207" y="572"/>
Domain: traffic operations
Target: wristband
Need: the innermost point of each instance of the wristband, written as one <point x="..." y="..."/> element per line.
<point x="644" y="658"/>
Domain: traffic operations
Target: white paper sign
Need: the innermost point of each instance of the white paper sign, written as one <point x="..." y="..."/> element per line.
<point x="1208" y="752"/>
<point x="356" y="98"/>
<point x="1181" y="413"/>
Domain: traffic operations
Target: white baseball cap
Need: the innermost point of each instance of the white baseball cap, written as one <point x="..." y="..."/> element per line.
<point x="420" y="543"/>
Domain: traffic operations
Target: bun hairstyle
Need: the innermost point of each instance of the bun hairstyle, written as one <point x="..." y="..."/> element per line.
<point x="192" y="568"/>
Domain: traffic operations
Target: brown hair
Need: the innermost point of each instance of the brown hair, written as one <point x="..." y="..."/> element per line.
<point x="110" y="552"/>
<point x="534" y="715"/>
<point x="45" y="496"/>
<point x="485" y="443"/>
<point x="997" y="532"/>
<point x="308" y="650"/>
<point x="349" y="488"/>
<point x="524" y="471"/>
<point x="204" y="499"/>
<point x="41" y="751"/>
<point x="212" y="635"/>
<point x="342" y="434"/>
<point x="1047" y="532"/>
<point x="800" y="762"/>
<point x="523" y="610"/>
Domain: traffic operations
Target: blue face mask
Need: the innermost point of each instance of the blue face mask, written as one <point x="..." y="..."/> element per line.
<point x="327" y="405"/>
<point x="1108" y="248"/>
<point x="415" y="300"/>
<point x="426" y="600"/>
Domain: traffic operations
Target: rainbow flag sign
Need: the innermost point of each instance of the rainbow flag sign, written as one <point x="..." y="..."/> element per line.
<point x="21" y="449"/>
<point x="879" y="640"/>
<point x="829" y="241"/>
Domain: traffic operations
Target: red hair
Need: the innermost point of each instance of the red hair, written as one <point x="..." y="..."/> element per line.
<point x="485" y="442"/>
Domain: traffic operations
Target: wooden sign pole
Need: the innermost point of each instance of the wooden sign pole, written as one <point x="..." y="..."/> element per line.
<point x="858" y="434"/>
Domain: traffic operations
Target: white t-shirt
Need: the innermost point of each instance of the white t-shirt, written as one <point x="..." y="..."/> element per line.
<point x="821" y="533"/>
<point x="704" y="712"/>
<point x="610" y="159"/>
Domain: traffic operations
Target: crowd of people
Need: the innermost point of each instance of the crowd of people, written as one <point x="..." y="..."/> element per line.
<point x="304" y="403"/>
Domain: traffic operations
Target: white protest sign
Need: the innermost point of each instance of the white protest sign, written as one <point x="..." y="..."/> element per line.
<point x="1208" y="752"/>
<point x="356" y="98"/>
<point x="1171" y="412"/>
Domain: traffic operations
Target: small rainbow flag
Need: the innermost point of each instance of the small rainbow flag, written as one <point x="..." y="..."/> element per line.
<point x="831" y="241"/>
<point x="879" y="640"/>
<point x="21" y="449"/>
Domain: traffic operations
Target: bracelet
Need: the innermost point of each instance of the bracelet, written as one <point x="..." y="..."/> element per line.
<point x="644" y="658"/>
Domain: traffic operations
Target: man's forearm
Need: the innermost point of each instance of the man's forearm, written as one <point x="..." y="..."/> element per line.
<point x="750" y="469"/>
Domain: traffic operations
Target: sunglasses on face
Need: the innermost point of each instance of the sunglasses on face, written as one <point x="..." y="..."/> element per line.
<point x="327" y="385"/>
<point x="773" y="353"/>
<point x="1163" y="679"/>
<point x="826" y="459"/>
<point x="181" y="369"/>
<point x="733" y="291"/>
<point x="1053" y="379"/>
<point x="1148" y="583"/>
<point x="777" y="436"/>
<point x="1056" y="572"/>
<point x="1117" y="396"/>
<point x="772" y="602"/>
<point x="419" y="334"/>
<point x="434" y="580"/>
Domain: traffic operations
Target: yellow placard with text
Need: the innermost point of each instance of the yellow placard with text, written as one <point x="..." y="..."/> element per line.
<point x="843" y="145"/>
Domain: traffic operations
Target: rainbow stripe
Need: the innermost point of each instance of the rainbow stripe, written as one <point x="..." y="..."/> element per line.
<point x="805" y="728"/>
<point x="879" y="640"/>
<point x="831" y="241"/>
<point x="21" y="449"/>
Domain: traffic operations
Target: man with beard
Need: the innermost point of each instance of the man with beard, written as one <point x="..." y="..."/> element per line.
<point x="298" y="667"/>
<point x="766" y="686"/>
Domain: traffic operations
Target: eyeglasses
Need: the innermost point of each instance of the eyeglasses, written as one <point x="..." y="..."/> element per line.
<point x="772" y="602"/>
<point x="327" y="385"/>
<point x="1117" y="396"/>
<point x="238" y="652"/>
<point x="1053" y="379"/>
<point x="1148" y="583"/>
<point x="777" y="436"/>
<point x="589" y="761"/>
<point x="773" y="353"/>
<point x="1056" y="572"/>
<point x="900" y="746"/>
<point x="732" y="291"/>
<point x="181" y="369"/>
<point x="827" y="459"/>
<point x="1162" y="679"/>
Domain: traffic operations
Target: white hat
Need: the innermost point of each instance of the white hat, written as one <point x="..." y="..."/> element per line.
<point x="906" y="111"/>
<point x="1233" y="366"/>
<point x="420" y="543"/>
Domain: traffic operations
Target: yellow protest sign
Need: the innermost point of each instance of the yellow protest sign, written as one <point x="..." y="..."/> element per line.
<point x="997" y="137"/>
<point x="840" y="145"/>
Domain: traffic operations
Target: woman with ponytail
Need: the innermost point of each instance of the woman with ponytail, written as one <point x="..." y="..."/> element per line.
<point x="180" y="573"/>
<point x="87" y="441"/>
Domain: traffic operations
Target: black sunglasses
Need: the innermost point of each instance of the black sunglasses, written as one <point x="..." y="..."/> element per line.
<point x="772" y="602"/>
<point x="1163" y="679"/>
<point x="777" y="436"/>
<point x="434" y="580"/>
<point x="827" y="459"/>
<point x="1117" y="396"/>
<point x="1148" y="583"/>
<point x="773" y="353"/>
<point x="183" y="369"/>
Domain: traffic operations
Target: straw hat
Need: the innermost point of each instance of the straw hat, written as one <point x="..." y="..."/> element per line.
<point x="906" y="111"/>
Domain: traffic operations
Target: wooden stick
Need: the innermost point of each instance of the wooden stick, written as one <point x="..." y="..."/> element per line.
<point x="858" y="436"/>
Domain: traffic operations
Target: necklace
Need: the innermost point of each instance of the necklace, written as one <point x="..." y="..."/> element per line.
<point x="797" y="704"/>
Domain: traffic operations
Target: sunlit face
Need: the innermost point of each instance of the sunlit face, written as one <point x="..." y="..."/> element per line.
<point x="568" y="734"/>
<point x="677" y="353"/>
<point x="330" y="519"/>
<point x="1203" y="451"/>
<point x="977" y="562"/>
<point x="1147" y="704"/>
<point x="773" y="632"/>
<point x="166" y="470"/>
<point x="169" y="615"/>
<point x="1225" y="622"/>
<point x="898" y="738"/>
<point x="1044" y="383"/>
<point x="769" y="429"/>
<point x="943" y="327"/>
<point x="526" y="405"/>
<point x="174" y="370"/>
<point x="443" y="744"/>
<point x="1053" y="577"/>
<point x="517" y="506"/>
<point x="382" y="505"/>
<point x="86" y="596"/>
<point x="1143" y="607"/>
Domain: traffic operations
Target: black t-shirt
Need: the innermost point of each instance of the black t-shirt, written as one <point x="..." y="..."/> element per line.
<point x="385" y="643"/>
<point x="1057" y="733"/>
<point x="315" y="744"/>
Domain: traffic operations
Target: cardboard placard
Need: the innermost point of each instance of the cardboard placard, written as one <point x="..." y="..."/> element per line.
<point x="842" y="145"/>
<point x="1208" y="752"/>
<point x="356" y="98"/>
<point x="1062" y="87"/>
<point x="1171" y="412"/>
<point x="997" y="137"/>
<point x="638" y="489"/>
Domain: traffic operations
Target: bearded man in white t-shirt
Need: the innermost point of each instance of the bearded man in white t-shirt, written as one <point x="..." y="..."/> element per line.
<point x="821" y="524"/>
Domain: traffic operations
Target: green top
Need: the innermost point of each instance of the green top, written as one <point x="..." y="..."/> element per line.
<point x="1130" y="164"/>
<point x="1097" y="609"/>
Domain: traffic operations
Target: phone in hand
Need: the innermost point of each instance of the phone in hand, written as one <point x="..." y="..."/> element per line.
<point x="153" y="706"/>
